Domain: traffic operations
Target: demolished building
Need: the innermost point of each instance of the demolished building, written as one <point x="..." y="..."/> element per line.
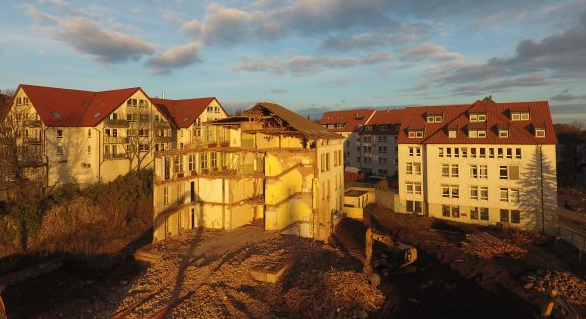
<point x="267" y="164"/>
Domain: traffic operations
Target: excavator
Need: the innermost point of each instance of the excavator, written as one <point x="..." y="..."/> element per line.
<point x="390" y="257"/>
<point x="2" y="310"/>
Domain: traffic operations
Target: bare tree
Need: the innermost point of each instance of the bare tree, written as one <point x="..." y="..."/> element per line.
<point x="22" y="167"/>
<point x="571" y="152"/>
<point x="140" y="134"/>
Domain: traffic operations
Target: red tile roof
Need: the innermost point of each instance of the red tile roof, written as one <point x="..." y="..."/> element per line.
<point x="497" y="116"/>
<point x="350" y="118"/>
<point x="184" y="112"/>
<point x="74" y="108"/>
<point x="386" y="117"/>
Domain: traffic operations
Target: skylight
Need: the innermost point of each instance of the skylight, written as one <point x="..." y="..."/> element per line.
<point x="186" y="119"/>
<point x="97" y="114"/>
<point x="56" y="115"/>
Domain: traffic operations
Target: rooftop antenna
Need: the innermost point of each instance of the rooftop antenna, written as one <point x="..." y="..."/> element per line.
<point x="163" y="95"/>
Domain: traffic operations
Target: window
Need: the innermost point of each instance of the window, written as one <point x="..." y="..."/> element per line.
<point x="464" y="152"/>
<point x="382" y="138"/>
<point x="59" y="133"/>
<point x="166" y="195"/>
<point x="446" y="210"/>
<point x="483" y="193"/>
<point x="445" y="170"/>
<point x="449" y="152"/>
<point x="214" y="160"/>
<point x="503" y="133"/>
<point x="408" y="168"/>
<point x="452" y="133"/>
<point x="518" y="153"/>
<point x="191" y="162"/>
<point x="491" y="152"/>
<point x="204" y="160"/>
<point x="473" y="212"/>
<point x="514" y="195"/>
<point x="59" y="150"/>
<point x="441" y="152"/>
<point x="434" y="118"/>
<point x="539" y="133"/>
<point x="411" y="151"/>
<point x="483" y="213"/>
<point x="178" y="167"/>
<point x="89" y="149"/>
<point x="418" y="151"/>
<point x="417" y="187"/>
<point x="515" y="216"/>
<point x="504" y="215"/>
<point x="504" y="194"/>
<point x="456" y="152"/>
<point x="89" y="133"/>
<point x="482" y="152"/>
<point x="56" y="115"/>
<point x="503" y="172"/>
<point x="473" y="152"/>
<point x="450" y="191"/>
<point x="382" y="149"/>
<point x="482" y="134"/>
<point x="509" y="153"/>
<point x="417" y="167"/>
<point x="478" y="171"/>
<point x="409" y="187"/>
<point x="415" y="134"/>
<point x="473" y="192"/>
<point x="450" y="211"/>
<point x="456" y="211"/>
<point x="515" y="116"/>
<point x="478" y="117"/>
<point x="473" y="171"/>
<point x="384" y="128"/>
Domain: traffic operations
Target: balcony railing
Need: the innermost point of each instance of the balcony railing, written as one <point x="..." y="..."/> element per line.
<point x="163" y="139"/>
<point x="115" y="139"/>
<point x="32" y="140"/>
<point x="116" y="156"/>
<point x="32" y="123"/>
<point x="116" y="123"/>
<point x="161" y="124"/>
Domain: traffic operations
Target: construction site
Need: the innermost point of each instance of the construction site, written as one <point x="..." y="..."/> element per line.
<point x="451" y="271"/>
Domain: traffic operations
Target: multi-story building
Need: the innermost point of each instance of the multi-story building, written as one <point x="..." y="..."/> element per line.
<point x="65" y="135"/>
<point x="347" y="123"/>
<point x="377" y="143"/>
<point x="268" y="163"/>
<point x="187" y="117"/>
<point x="485" y="163"/>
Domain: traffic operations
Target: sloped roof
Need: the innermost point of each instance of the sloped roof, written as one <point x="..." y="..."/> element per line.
<point x="387" y="117"/>
<point x="183" y="112"/>
<point x="293" y="120"/>
<point x="497" y="116"/>
<point x="74" y="108"/>
<point x="350" y="118"/>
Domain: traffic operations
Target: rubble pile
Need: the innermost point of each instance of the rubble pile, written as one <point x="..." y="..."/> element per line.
<point x="568" y="285"/>
<point x="334" y="294"/>
<point x="487" y="246"/>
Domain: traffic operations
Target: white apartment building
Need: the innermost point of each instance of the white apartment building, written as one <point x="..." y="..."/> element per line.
<point x="68" y="135"/>
<point x="376" y="144"/>
<point x="486" y="163"/>
<point x="347" y="123"/>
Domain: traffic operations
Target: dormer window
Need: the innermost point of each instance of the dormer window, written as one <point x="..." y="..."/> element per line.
<point x="330" y="125"/>
<point x="384" y="127"/>
<point x="368" y="128"/>
<point x="416" y="134"/>
<point x="477" y="133"/>
<point x="340" y="125"/>
<point x="478" y="117"/>
<point x="539" y="132"/>
<point x="56" y="115"/>
<point x="503" y="133"/>
<point x="520" y="116"/>
<point x="434" y="118"/>
<point x="452" y="133"/>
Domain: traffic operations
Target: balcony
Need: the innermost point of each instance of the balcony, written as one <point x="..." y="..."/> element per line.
<point x="163" y="139"/>
<point x="116" y="123"/>
<point x="32" y="123"/>
<point x="115" y="139"/>
<point x="116" y="156"/>
<point x="161" y="125"/>
<point x="32" y="140"/>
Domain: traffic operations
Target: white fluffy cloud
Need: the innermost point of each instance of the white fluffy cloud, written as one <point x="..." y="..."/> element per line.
<point x="175" y="58"/>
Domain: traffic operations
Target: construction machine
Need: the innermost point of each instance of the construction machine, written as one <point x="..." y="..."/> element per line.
<point x="2" y="310"/>
<point x="390" y="257"/>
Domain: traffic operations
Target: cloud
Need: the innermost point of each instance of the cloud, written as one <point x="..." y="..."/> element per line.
<point x="307" y="65"/>
<point x="89" y="38"/>
<point x="567" y="96"/>
<point x="429" y="51"/>
<point x="107" y="47"/>
<point x="263" y="21"/>
<point x="559" y="56"/>
<point x="278" y="91"/>
<point x="175" y="58"/>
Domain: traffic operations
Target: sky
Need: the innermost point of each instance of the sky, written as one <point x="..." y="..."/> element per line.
<point x="305" y="54"/>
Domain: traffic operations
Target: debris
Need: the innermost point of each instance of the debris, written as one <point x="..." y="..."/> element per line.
<point x="487" y="246"/>
<point x="568" y="285"/>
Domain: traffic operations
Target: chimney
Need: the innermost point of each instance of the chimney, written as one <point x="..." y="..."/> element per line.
<point x="163" y="95"/>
